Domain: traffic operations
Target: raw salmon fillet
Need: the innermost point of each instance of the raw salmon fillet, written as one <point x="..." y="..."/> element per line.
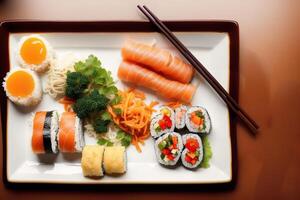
<point x="133" y="73"/>
<point x="158" y="60"/>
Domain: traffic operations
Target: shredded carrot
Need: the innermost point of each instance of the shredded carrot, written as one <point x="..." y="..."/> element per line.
<point x="135" y="116"/>
<point x="67" y="102"/>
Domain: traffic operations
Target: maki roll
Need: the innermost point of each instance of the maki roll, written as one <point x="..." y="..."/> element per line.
<point x="197" y="120"/>
<point x="44" y="132"/>
<point x="180" y="116"/>
<point x="162" y="121"/>
<point x="70" y="134"/>
<point x="168" y="148"/>
<point x="115" y="160"/>
<point x="91" y="160"/>
<point x="192" y="155"/>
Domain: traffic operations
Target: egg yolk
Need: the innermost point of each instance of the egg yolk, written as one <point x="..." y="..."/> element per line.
<point x="33" y="51"/>
<point x="20" y="84"/>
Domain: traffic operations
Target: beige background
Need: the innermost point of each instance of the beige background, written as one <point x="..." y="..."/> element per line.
<point x="269" y="86"/>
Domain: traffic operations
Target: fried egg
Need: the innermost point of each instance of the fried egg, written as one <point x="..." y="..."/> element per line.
<point x="23" y="87"/>
<point x="34" y="52"/>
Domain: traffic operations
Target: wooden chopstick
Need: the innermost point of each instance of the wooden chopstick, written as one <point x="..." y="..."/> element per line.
<point x="232" y="104"/>
<point x="203" y="70"/>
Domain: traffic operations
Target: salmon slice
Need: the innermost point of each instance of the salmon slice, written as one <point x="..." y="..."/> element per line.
<point x="37" y="140"/>
<point x="132" y="73"/>
<point x="158" y="60"/>
<point x="66" y="133"/>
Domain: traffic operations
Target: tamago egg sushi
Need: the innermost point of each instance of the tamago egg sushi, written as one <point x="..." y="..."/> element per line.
<point x="23" y="87"/>
<point x="35" y="53"/>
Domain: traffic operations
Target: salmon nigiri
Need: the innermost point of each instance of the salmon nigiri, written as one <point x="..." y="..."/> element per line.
<point x="158" y="60"/>
<point x="130" y="72"/>
<point x="70" y="134"/>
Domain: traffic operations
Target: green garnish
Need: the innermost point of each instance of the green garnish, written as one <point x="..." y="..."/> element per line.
<point x="100" y="125"/>
<point x="109" y="144"/>
<point x="105" y="116"/>
<point x="162" y="156"/>
<point x="117" y="111"/>
<point x="76" y="84"/>
<point x="99" y="77"/>
<point x="207" y="152"/>
<point x="92" y="103"/>
<point x="116" y="100"/>
<point x="124" y="137"/>
<point x="104" y="142"/>
<point x="120" y="134"/>
<point x="126" y="140"/>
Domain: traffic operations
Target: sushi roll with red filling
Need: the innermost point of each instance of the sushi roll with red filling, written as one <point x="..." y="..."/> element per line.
<point x="192" y="155"/>
<point x="168" y="148"/>
<point x="162" y="121"/>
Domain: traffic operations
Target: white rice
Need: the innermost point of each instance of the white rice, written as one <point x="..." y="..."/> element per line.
<point x="79" y="139"/>
<point x="54" y="131"/>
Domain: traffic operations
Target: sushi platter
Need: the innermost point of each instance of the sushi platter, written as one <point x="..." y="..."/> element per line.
<point x="116" y="103"/>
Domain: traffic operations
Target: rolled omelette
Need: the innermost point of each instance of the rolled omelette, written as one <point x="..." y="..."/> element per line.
<point x="114" y="161"/>
<point x="91" y="160"/>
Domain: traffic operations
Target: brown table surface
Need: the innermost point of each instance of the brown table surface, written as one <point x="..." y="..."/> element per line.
<point x="269" y="89"/>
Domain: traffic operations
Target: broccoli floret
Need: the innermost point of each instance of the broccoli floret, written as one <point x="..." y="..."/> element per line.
<point x="94" y="102"/>
<point x="76" y="84"/>
<point x="100" y="125"/>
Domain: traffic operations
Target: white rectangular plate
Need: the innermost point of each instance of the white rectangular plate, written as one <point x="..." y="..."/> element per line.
<point x="211" y="48"/>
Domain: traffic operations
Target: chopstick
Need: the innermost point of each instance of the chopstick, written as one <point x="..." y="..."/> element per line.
<point x="232" y="104"/>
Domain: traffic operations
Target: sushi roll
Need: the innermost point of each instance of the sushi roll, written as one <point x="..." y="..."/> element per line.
<point x="168" y="148"/>
<point x="180" y="116"/>
<point x="192" y="155"/>
<point x="162" y="121"/>
<point x="44" y="132"/>
<point x="91" y="160"/>
<point x="115" y="160"/>
<point x="70" y="134"/>
<point x="197" y="120"/>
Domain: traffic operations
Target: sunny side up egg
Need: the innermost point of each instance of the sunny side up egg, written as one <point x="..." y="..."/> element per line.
<point x="34" y="52"/>
<point x="23" y="87"/>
